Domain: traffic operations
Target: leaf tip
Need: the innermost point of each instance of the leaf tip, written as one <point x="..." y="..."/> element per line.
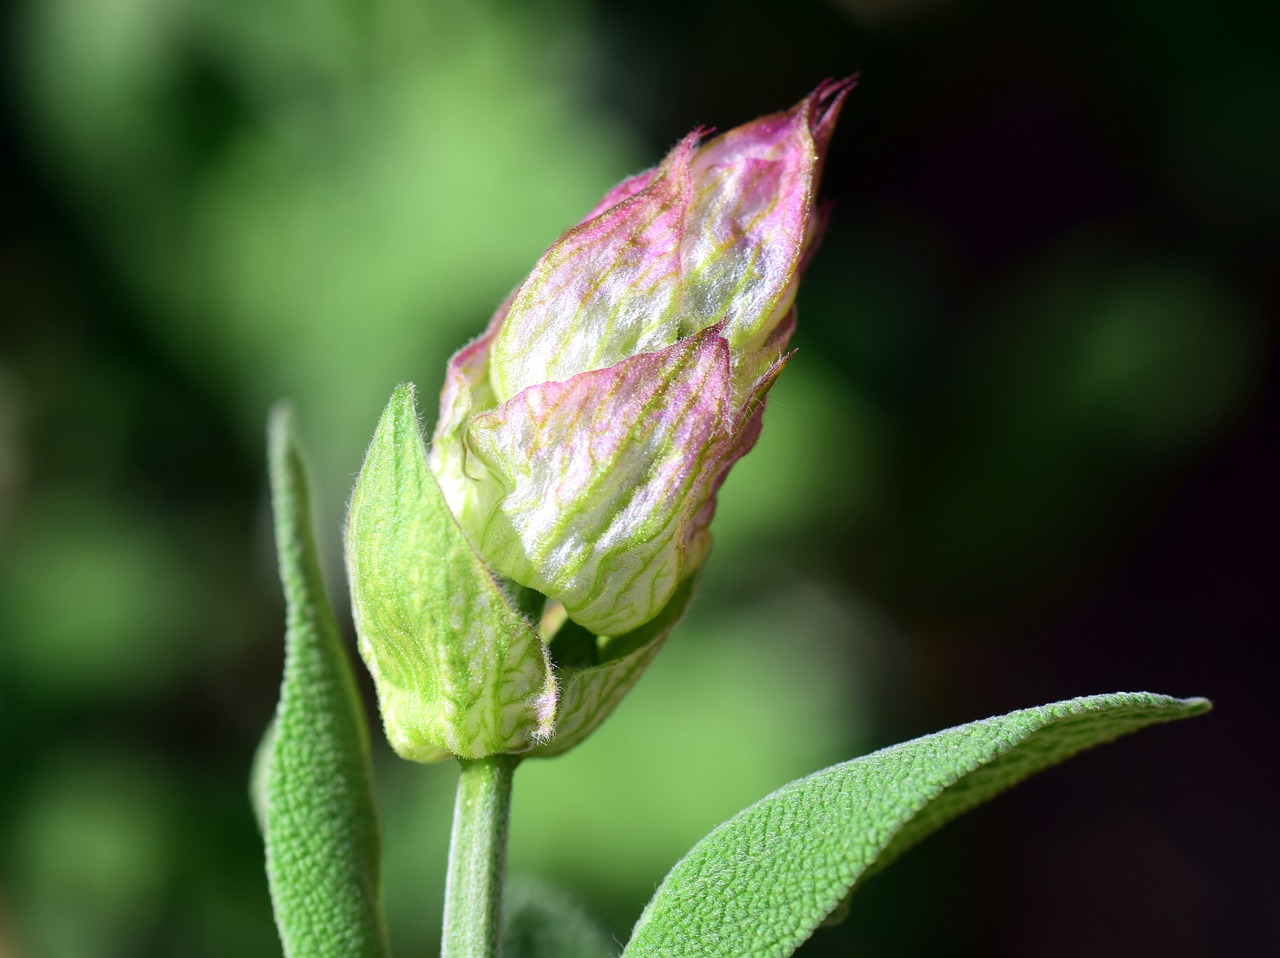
<point x="1197" y="705"/>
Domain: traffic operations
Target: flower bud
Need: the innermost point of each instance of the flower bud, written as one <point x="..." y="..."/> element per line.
<point x="582" y="439"/>
<point x="581" y="442"/>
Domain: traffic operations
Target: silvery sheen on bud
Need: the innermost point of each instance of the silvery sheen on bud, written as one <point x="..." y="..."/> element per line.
<point x="583" y="437"/>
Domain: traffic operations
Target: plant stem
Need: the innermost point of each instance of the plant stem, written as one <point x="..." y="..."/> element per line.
<point x="478" y="859"/>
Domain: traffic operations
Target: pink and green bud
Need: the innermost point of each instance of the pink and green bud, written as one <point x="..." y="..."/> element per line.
<point x="581" y="443"/>
<point x="582" y="439"/>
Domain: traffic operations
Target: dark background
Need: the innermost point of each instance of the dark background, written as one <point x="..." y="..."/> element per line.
<point x="1023" y="453"/>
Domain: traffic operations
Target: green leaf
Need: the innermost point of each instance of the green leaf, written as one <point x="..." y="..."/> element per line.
<point x="760" y="884"/>
<point x="458" y="669"/>
<point x="312" y="782"/>
<point x="541" y="921"/>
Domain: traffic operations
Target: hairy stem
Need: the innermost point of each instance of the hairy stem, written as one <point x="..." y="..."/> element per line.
<point x="478" y="859"/>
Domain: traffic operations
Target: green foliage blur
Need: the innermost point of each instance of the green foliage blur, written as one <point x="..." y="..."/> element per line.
<point x="1022" y="453"/>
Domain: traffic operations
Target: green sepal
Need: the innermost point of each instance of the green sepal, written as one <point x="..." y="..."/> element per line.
<point x="312" y="779"/>
<point x="588" y="695"/>
<point x="759" y="884"/>
<point x="458" y="669"/>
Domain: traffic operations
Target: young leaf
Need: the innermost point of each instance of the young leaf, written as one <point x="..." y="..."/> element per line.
<point x="760" y="884"/>
<point x="313" y="782"/>
<point x="541" y="921"/>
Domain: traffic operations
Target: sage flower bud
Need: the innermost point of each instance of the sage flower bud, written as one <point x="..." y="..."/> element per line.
<point x="581" y="442"/>
<point x="582" y="439"/>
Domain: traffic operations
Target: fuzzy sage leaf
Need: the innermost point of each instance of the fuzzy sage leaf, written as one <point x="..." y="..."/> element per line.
<point x="312" y="781"/>
<point x="759" y="884"/>
<point x="458" y="669"/>
<point x="541" y="921"/>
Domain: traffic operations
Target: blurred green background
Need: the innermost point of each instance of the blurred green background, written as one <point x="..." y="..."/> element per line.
<point x="1023" y="452"/>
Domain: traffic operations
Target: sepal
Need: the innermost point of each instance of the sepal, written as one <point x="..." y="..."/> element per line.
<point x="458" y="670"/>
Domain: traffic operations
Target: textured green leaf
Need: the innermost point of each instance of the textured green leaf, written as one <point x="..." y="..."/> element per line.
<point x="540" y="921"/>
<point x="458" y="669"/>
<point x="760" y="884"/>
<point x="312" y="782"/>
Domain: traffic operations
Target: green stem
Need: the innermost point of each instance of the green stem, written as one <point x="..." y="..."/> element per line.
<point x="478" y="859"/>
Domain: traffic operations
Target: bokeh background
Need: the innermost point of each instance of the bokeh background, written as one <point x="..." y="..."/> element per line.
<point x="1022" y="453"/>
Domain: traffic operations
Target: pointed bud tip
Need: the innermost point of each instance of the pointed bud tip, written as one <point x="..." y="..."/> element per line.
<point x="824" y="105"/>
